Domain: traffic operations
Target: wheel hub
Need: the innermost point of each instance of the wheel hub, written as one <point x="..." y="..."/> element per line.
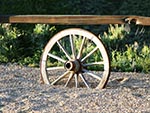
<point x="73" y="65"/>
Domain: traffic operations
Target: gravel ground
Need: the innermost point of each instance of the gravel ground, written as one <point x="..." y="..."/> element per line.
<point x="21" y="92"/>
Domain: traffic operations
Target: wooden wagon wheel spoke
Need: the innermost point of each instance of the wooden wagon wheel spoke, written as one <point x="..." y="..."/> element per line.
<point x="76" y="80"/>
<point x="54" y="68"/>
<point x="81" y="48"/>
<point x="91" y="74"/>
<point x="93" y="63"/>
<point x="56" y="57"/>
<point x="77" y="62"/>
<point x="60" y="77"/>
<point x="72" y="46"/>
<point x="64" y="50"/>
<point x="89" y="54"/>
<point x="84" y="80"/>
<point x="69" y="79"/>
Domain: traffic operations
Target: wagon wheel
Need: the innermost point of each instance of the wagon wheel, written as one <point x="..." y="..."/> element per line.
<point x="78" y="56"/>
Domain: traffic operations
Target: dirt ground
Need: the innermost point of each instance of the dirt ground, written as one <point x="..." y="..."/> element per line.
<point x="21" y="92"/>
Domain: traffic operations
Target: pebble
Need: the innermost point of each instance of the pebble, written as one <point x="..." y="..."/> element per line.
<point x="21" y="91"/>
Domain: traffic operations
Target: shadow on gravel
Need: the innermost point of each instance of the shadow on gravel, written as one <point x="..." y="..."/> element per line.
<point x="130" y="81"/>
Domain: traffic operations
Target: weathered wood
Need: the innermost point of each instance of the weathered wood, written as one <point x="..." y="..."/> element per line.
<point x="75" y="19"/>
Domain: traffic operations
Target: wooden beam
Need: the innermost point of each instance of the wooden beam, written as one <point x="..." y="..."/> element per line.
<point x="75" y="19"/>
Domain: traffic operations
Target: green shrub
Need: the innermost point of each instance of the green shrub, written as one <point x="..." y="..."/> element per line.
<point x="132" y="60"/>
<point x="21" y="46"/>
<point x="8" y="36"/>
<point x="57" y="7"/>
<point x="127" y="53"/>
<point x="114" y="38"/>
<point x="132" y="7"/>
<point x="23" y="43"/>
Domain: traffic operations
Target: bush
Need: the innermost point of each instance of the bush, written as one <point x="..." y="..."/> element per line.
<point x="57" y="7"/>
<point x="127" y="55"/>
<point x="132" y="60"/>
<point x="23" y="43"/>
<point x="23" y="47"/>
<point x="8" y="41"/>
<point x="132" y="7"/>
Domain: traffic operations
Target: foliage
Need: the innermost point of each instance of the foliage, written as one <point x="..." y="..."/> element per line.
<point x="8" y="41"/>
<point x="23" y="47"/>
<point x="127" y="55"/>
<point x="115" y="37"/>
<point x="134" y="7"/>
<point x="129" y="48"/>
<point x="57" y="7"/>
<point x="132" y="59"/>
